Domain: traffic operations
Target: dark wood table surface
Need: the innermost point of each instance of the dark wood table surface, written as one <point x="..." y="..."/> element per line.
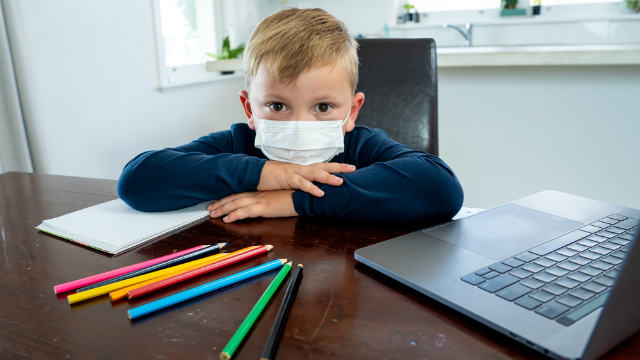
<point x="343" y="310"/>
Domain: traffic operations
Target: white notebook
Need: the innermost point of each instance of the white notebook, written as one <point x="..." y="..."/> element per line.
<point x="114" y="226"/>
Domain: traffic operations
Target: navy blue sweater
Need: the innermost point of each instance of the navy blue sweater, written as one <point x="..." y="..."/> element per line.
<point x="392" y="183"/>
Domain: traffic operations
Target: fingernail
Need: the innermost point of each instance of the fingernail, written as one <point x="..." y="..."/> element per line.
<point x="225" y="219"/>
<point x="212" y="212"/>
<point x="320" y="193"/>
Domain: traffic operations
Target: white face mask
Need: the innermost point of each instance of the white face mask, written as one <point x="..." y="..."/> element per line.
<point x="300" y="142"/>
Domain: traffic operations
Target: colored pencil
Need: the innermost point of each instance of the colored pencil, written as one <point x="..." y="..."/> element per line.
<point x="122" y="293"/>
<point x="105" y="289"/>
<point x="279" y="323"/>
<point x="190" y="274"/>
<point x="75" y="284"/>
<point x="203" y="289"/>
<point x="251" y="318"/>
<point x="209" y="250"/>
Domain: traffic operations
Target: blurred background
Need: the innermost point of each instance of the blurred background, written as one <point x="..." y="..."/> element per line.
<point x="533" y="95"/>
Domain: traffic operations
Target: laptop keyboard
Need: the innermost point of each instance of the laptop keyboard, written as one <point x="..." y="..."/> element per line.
<point x="565" y="278"/>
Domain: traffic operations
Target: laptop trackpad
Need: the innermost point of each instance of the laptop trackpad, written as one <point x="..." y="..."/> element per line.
<point x="503" y="231"/>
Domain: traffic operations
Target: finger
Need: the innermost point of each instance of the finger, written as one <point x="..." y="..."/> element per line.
<point x="336" y="167"/>
<point x="307" y="186"/>
<point x="232" y="206"/>
<point x="250" y="211"/>
<point x="229" y="198"/>
<point x="326" y="178"/>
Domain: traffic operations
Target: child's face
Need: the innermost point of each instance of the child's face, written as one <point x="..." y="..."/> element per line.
<point x="320" y="93"/>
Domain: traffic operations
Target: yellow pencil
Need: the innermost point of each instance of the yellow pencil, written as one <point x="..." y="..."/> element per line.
<point x="122" y="293"/>
<point x="105" y="289"/>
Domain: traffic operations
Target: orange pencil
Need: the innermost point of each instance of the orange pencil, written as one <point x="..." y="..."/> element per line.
<point x="189" y="274"/>
<point x="122" y="293"/>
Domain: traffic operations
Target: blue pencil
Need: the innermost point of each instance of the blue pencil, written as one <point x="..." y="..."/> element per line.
<point x="203" y="289"/>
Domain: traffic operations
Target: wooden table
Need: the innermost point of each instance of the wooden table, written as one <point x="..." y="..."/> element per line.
<point x="343" y="309"/>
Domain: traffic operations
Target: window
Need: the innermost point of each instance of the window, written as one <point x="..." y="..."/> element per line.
<point x="448" y="5"/>
<point x="185" y="31"/>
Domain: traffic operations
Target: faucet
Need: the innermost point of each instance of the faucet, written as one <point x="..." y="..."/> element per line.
<point x="466" y="33"/>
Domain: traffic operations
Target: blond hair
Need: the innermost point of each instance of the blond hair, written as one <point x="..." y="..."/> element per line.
<point x="292" y="41"/>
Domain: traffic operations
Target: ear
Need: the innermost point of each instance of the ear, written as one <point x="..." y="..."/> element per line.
<point x="246" y="106"/>
<point x="356" y="104"/>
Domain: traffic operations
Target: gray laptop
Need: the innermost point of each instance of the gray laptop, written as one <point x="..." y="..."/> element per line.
<point x="557" y="272"/>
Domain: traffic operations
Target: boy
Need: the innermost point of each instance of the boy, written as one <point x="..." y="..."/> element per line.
<point x="301" y="70"/>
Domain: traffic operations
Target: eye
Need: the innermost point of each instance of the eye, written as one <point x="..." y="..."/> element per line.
<point x="277" y="107"/>
<point x="323" y="107"/>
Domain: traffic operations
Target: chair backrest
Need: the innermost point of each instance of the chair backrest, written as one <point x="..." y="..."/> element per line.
<point x="399" y="80"/>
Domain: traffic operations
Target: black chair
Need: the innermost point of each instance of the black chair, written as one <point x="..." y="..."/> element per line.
<point x="399" y="80"/>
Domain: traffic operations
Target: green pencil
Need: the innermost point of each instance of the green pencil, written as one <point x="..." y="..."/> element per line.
<point x="248" y="322"/>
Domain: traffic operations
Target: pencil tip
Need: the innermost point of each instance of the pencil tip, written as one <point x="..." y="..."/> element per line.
<point x="221" y="245"/>
<point x="289" y="263"/>
<point x="300" y="265"/>
<point x="129" y="315"/>
<point x="269" y="247"/>
<point x="225" y="356"/>
<point x="283" y="261"/>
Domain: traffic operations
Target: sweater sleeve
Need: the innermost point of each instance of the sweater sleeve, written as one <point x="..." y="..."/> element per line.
<point x="209" y="168"/>
<point x="392" y="184"/>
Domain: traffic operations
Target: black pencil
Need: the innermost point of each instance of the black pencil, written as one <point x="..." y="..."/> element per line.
<point x="279" y="323"/>
<point x="209" y="250"/>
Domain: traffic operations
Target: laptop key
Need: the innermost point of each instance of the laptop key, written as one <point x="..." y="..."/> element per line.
<point x="579" y="276"/>
<point x="606" y="234"/>
<point x="483" y="271"/>
<point x="543" y="261"/>
<point x="521" y="273"/>
<point x="609" y="220"/>
<point x="626" y="236"/>
<point x="617" y="217"/>
<point x="619" y="241"/>
<point x="491" y="274"/>
<point x="590" y="228"/>
<point x="568" y="300"/>
<point x="526" y="256"/>
<point x="587" y="242"/>
<point x="610" y="245"/>
<point x="566" y="252"/>
<point x="513" y="292"/>
<point x="581" y="293"/>
<point x="567" y="282"/>
<point x="577" y="247"/>
<point x="513" y="262"/>
<point x="499" y="282"/>
<point x="556" y="257"/>
<point x="590" y="270"/>
<point x="557" y="271"/>
<point x="601" y="265"/>
<point x="627" y="224"/>
<point x="541" y="295"/>
<point x="611" y="260"/>
<point x="528" y="302"/>
<point x="559" y="242"/>
<point x="597" y="238"/>
<point x="552" y="310"/>
<point x="613" y="273"/>
<point x="568" y="265"/>
<point x="500" y="267"/>
<point x="544" y="277"/>
<point x="600" y="250"/>
<point x="472" y="279"/>
<point x="555" y="289"/>
<point x="594" y="287"/>
<point x="583" y="309"/>
<point x="534" y="268"/>
<point x="604" y="280"/>
<point x="590" y="255"/>
<point x="619" y="254"/>
<point x="615" y="230"/>
<point x="600" y="224"/>
<point x="532" y="283"/>
<point x="579" y="260"/>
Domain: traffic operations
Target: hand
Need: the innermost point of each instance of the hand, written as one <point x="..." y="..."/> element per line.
<point x="281" y="176"/>
<point x="275" y="203"/>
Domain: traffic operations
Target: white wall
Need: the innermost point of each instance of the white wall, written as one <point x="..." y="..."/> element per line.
<point x="87" y="77"/>
<point x="511" y="131"/>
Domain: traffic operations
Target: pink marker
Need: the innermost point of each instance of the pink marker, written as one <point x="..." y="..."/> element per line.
<point x="72" y="285"/>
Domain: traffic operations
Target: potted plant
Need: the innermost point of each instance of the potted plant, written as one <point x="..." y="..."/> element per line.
<point x="633" y="5"/>
<point x="228" y="60"/>
<point x="510" y="7"/>
<point x="410" y="13"/>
